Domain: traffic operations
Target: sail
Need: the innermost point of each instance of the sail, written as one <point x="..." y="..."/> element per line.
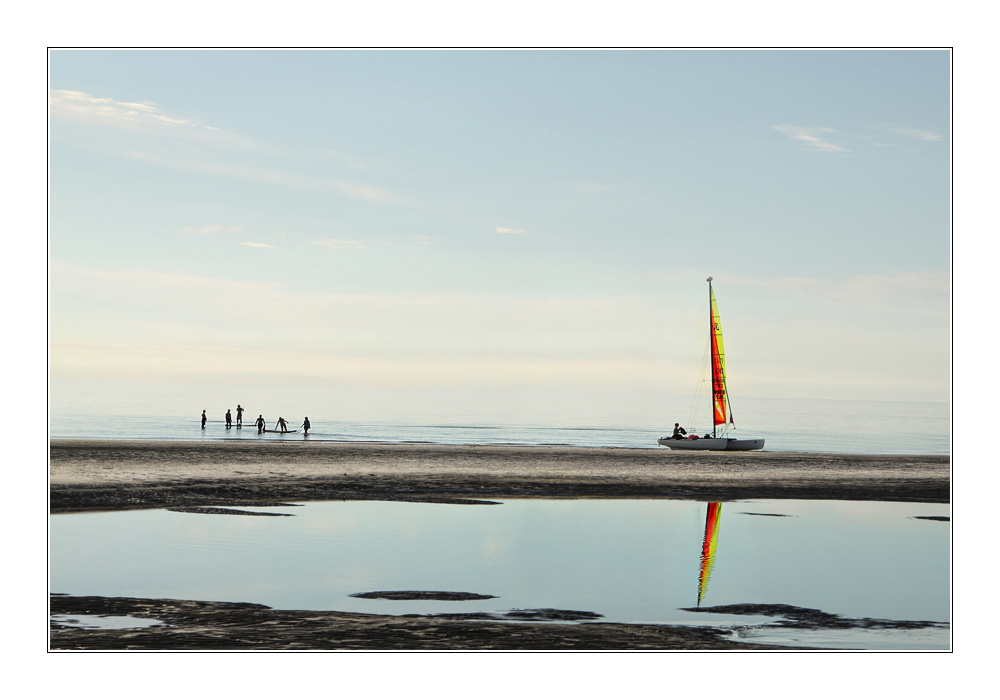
<point x="719" y="398"/>
<point x="712" y="518"/>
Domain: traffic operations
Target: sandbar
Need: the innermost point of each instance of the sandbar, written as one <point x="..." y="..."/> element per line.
<point x="117" y="474"/>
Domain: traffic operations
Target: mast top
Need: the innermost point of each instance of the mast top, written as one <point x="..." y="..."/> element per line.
<point x="709" y="279"/>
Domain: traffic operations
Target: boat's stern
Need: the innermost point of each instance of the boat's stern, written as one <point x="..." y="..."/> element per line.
<point x="745" y="445"/>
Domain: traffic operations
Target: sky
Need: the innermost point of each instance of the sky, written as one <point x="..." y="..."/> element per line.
<point x="485" y="219"/>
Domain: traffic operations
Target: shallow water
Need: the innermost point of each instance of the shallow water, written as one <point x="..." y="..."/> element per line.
<point x="628" y="560"/>
<point x="104" y="622"/>
<point x="111" y="410"/>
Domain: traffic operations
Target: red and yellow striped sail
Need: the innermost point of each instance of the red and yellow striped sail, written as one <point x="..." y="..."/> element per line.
<point x="719" y="398"/>
<point x="712" y="519"/>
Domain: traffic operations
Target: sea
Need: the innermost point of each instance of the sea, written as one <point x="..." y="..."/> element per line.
<point x="516" y="416"/>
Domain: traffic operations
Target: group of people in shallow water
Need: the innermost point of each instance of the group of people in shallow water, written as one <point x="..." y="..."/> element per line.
<point x="281" y="426"/>
<point x="679" y="434"/>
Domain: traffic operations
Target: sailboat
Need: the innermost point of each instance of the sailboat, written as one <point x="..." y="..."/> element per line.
<point x="723" y="412"/>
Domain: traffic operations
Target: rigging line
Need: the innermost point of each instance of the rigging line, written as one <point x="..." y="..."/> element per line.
<point x="699" y="387"/>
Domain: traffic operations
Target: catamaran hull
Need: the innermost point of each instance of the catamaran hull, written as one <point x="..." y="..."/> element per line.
<point x="730" y="444"/>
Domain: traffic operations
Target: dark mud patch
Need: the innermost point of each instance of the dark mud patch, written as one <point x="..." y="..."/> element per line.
<point x="421" y="595"/>
<point x="536" y="615"/>
<point x="812" y="619"/>
<point x="200" y="625"/>
<point x="942" y="518"/>
<point x="771" y="515"/>
<point x="224" y="511"/>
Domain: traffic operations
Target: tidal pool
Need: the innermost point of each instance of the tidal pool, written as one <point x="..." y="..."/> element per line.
<point x="628" y="560"/>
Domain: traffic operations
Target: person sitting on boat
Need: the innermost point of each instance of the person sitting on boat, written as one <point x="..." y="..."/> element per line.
<point x="679" y="432"/>
<point x="282" y="425"/>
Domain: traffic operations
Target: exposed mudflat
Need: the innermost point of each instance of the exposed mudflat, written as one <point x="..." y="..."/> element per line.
<point x="105" y="475"/>
<point x="199" y="625"/>
<point x="809" y="618"/>
<point x="421" y="595"/>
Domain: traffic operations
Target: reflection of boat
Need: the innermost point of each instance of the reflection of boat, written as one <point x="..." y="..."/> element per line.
<point x="720" y="398"/>
<point x="712" y="519"/>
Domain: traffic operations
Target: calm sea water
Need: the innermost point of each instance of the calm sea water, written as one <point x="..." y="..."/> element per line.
<point x="516" y="416"/>
<point x="628" y="560"/>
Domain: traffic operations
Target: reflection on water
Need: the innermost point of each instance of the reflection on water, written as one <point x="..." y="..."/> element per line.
<point x="630" y="561"/>
<point x="712" y="518"/>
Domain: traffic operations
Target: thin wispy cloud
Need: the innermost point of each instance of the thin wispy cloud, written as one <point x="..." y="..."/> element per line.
<point x="336" y="244"/>
<point x="73" y="104"/>
<point x="209" y="230"/>
<point x="510" y="230"/>
<point x="258" y="245"/>
<point x="918" y="134"/>
<point x="147" y="119"/>
<point x="269" y="176"/>
<point x="423" y="240"/>
<point x="146" y="132"/>
<point x="811" y="136"/>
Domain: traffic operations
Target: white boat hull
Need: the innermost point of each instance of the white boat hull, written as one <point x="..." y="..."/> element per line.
<point x="731" y="444"/>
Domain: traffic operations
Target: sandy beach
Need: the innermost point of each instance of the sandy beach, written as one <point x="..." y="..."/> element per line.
<point x="88" y="475"/>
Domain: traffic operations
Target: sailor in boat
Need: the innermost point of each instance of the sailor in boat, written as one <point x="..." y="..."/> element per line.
<point x="679" y="432"/>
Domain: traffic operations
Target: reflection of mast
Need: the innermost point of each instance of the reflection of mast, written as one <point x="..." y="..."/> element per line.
<point x="708" y="547"/>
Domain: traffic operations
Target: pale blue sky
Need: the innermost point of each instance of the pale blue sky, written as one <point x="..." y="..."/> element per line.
<point x="468" y="218"/>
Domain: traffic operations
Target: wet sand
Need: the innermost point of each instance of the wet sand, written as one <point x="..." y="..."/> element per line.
<point x="105" y="474"/>
<point x="113" y="475"/>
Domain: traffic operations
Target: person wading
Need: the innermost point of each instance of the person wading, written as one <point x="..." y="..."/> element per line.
<point x="260" y="423"/>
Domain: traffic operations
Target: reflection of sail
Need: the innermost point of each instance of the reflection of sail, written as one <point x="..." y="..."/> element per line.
<point x="708" y="547"/>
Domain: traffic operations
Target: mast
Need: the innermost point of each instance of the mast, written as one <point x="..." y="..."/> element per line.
<point x="711" y="337"/>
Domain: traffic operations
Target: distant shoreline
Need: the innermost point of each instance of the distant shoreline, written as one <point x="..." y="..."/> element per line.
<point x="125" y="474"/>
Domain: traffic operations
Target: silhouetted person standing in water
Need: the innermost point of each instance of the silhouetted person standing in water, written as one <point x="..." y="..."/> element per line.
<point x="229" y="419"/>
<point x="281" y="425"/>
<point x="306" y="426"/>
<point x="260" y="423"/>
<point x="203" y="419"/>
<point x="239" y="416"/>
